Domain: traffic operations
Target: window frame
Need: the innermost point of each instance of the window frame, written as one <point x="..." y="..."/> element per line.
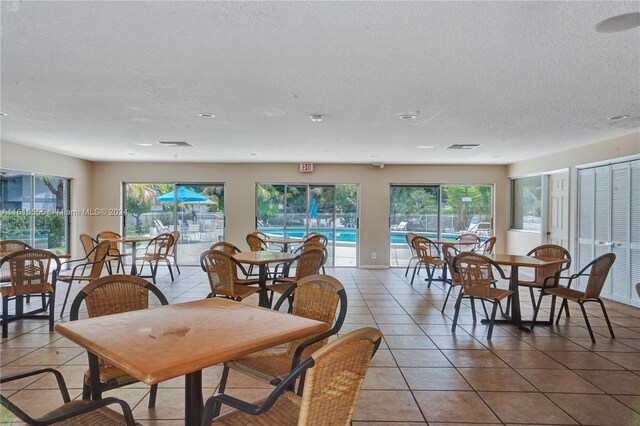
<point x="513" y="197"/>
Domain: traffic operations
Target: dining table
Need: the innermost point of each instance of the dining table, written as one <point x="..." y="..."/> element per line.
<point x="261" y="259"/>
<point x="284" y="242"/>
<point x="133" y="242"/>
<point x="443" y="276"/>
<point x="159" y="344"/>
<point x="515" y="262"/>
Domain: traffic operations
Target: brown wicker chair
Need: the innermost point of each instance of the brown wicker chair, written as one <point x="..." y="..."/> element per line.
<point x="597" y="272"/>
<point x="317" y="297"/>
<point x="222" y="271"/>
<point x="409" y="236"/>
<point x="485" y="247"/>
<point x="88" y="244"/>
<point x="94" y="261"/>
<point x="228" y="248"/>
<point x="472" y="240"/>
<point x="330" y="382"/>
<point x="72" y="413"/>
<point x="476" y="274"/>
<point x="114" y="251"/>
<point x="110" y="295"/>
<point x="29" y="275"/>
<point x="547" y="276"/>
<point x="7" y="247"/>
<point x="256" y="242"/>
<point x="307" y="263"/>
<point x="450" y="252"/>
<point x="315" y="237"/>
<point x="309" y="245"/>
<point x="173" y="251"/>
<point x="428" y="255"/>
<point x="157" y="250"/>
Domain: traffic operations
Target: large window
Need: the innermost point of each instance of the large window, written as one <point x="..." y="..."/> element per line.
<point x="35" y="209"/>
<point x="526" y="203"/>
<point x="196" y="210"/>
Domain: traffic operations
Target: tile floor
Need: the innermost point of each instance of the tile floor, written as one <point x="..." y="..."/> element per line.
<point x="422" y="374"/>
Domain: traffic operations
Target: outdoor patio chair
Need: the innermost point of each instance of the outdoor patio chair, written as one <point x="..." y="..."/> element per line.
<point x="318" y="297"/>
<point x="28" y="272"/>
<point x="193" y="232"/>
<point x="547" y="276"/>
<point x="94" y="261"/>
<point x="428" y="255"/>
<point x="329" y="385"/>
<point x="597" y="272"/>
<point x="449" y="253"/>
<point x="471" y="239"/>
<point x="72" y="413"/>
<point x="485" y="247"/>
<point x="160" y="227"/>
<point x="7" y="247"/>
<point x="157" y="250"/>
<point x="402" y="226"/>
<point x="226" y="247"/>
<point x="256" y="242"/>
<point x="307" y="263"/>
<point x="173" y="250"/>
<point x="315" y="237"/>
<point x="88" y="244"/>
<point x="222" y="272"/>
<point x="409" y="236"/>
<point x="475" y="271"/>
<point x="110" y="295"/>
<point x="309" y="245"/>
<point x="114" y="251"/>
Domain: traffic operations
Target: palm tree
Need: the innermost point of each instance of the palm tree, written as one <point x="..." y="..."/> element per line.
<point x="140" y="197"/>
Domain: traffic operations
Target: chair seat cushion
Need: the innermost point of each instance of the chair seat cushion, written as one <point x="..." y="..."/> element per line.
<point x="99" y="417"/>
<point x="284" y="412"/>
<point x="488" y="293"/>
<point x="247" y="281"/>
<point x="9" y="291"/>
<point x="566" y="293"/>
<point x="266" y="366"/>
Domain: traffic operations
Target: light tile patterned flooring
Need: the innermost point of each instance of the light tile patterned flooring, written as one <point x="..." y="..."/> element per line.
<point x="423" y="373"/>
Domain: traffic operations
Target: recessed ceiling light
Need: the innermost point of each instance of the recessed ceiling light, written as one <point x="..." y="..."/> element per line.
<point x="424" y="146"/>
<point x="618" y="117"/>
<point x="408" y="116"/>
<point x="316" y="118"/>
<point x="3" y="114"/>
<point x="619" y="23"/>
<point x="207" y="114"/>
<point x="253" y="154"/>
<point x="131" y="153"/>
<point x="144" y="144"/>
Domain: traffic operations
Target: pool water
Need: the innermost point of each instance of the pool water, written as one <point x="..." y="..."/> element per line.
<point x="348" y="235"/>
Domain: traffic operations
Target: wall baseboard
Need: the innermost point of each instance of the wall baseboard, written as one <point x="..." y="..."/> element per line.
<point x="373" y="267"/>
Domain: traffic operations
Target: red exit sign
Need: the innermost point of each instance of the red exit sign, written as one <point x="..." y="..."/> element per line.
<point x="306" y="167"/>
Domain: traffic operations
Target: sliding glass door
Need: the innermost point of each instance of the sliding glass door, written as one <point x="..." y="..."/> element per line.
<point x="293" y="210"/>
<point x="195" y="210"/>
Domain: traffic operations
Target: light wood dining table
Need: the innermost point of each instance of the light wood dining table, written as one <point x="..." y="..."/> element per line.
<point x="284" y="242"/>
<point x="133" y="241"/>
<point x="262" y="259"/>
<point x="155" y="345"/>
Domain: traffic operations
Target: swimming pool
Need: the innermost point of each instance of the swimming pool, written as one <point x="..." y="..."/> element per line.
<point x="348" y="235"/>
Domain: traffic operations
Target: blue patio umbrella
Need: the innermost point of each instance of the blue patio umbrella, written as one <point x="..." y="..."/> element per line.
<point x="313" y="211"/>
<point x="185" y="195"/>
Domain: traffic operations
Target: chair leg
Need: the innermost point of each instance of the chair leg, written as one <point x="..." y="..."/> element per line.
<point x="66" y="297"/>
<point x="109" y="271"/>
<point x="553" y="308"/>
<point x="415" y="269"/>
<point x="152" y="396"/>
<point x="533" y="297"/>
<point x="484" y="308"/>
<point x="170" y="270"/>
<point x="536" y="310"/>
<point x="154" y="269"/>
<point x="493" y="319"/>
<point x="221" y="388"/>
<point x="52" y="307"/>
<point x="455" y="315"/>
<point x="586" y="320"/>
<point x="473" y="308"/>
<point x="407" y="270"/>
<point x="86" y="391"/>
<point x="606" y="317"/>
<point x="563" y="305"/>
<point x="508" y="308"/>
<point x="430" y="272"/>
<point x="446" y="298"/>
<point x="5" y="317"/>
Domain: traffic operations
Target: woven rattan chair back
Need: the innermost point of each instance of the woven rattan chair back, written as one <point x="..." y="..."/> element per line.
<point x="598" y="271"/>
<point x="486" y="247"/>
<point x="426" y="249"/>
<point x="450" y="253"/>
<point x="110" y="235"/>
<point x="228" y="248"/>
<point x="99" y="256"/>
<point x="29" y="272"/>
<point x="332" y="385"/>
<point x="221" y="271"/>
<point x="316" y="239"/>
<point x="550" y="252"/>
<point x="7" y="247"/>
<point x="409" y="236"/>
<point x="159" y="247"/>
<point x="256" y="243"/>
<point x="475" y="272"/>
<point x="176" y="237"/>
<point x="88" y="244"/>
<point x="468" y="238"/>
<point x="316" y="297"/>
<point x="309" y="263"/>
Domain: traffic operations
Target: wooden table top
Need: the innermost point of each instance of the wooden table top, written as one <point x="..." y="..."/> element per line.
<point x="154" y="345"/>
<point x="263" y="257"/>
<point x="518" y="260"/>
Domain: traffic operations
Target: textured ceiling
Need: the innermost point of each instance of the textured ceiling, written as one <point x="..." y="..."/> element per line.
<point x="94" y="79"/>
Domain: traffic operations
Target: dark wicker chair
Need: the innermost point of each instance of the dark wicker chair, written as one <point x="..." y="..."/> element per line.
<point x="307" y="263"/>
<point x="29" y="275"/>
<point x="330" y="383"/>
<point x="450" y="252"/>
<point x="158" y="249"/>
<point x="428" y="256"/>
<point x="485" y="247"/>
<point x="8" y="247"/>
<point x="597" y="272"/>
<point x="409" y="236"/>
<point x="222" y="272"/>
<point x="72" y="413"/>
<point x="109" y="295"/>
<point x="114" y="251"/>
<point x="173" y="251"/>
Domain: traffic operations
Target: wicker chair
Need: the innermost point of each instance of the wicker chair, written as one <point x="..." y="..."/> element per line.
<point x="476" y="274"/>
<point x="157" y="250"/>
<point x="409" y="236"/>
<point x="228" y="248"/>
<point x="450" y="252"/>
<point x="485" y="247"/>
<point x="428" y="255"/>
<point x="88" y="244"/>
<point x="7" y="247"/>
<point x="94" y="261"/>
<point x="597" y="272"/>
<point x="307" y="263"/>
<point x="315" y="237"/>
<point x="547" y="276"/>
<point x="222" y="271"/>
<point x="471" y="240"/>
<point x="29" y="275"/>
<point x="114" y="251"/>
<point x="110" y="295"/>
<point x="330" y="383"/>
<point x="72" y="413"/>
<point x="317" y="297"/>
<point x="309" y="245"/>
<point x="173" y="251"/>
<point x="257" y="242"/>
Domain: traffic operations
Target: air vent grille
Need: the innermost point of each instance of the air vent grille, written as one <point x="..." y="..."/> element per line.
<point x="463" y="146"/>
<point x="174" y="143"/>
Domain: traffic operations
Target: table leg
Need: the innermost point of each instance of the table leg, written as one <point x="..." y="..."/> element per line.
<point x="263" y="297"/>
<point x="94" y="373"/>
<point x="193" y="404"/>
<point x="134" y="270"/>
<point x="516" y="316"/>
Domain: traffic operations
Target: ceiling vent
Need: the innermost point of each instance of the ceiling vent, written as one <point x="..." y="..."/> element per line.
<point x="174" y="143"/>
<point x="463" y="146"/>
